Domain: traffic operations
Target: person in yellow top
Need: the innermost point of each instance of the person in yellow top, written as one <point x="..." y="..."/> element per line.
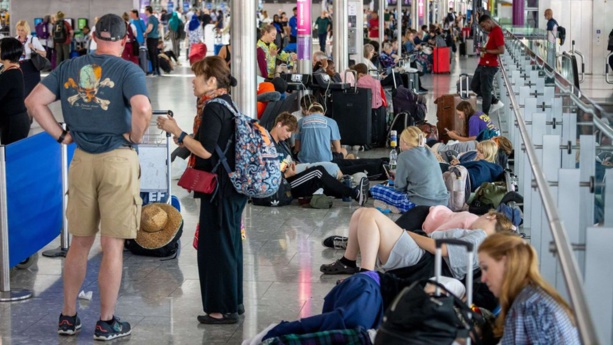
<point x="268" y="53"/>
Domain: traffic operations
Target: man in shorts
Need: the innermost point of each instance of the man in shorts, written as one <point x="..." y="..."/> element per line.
<point x="103" y="182"/>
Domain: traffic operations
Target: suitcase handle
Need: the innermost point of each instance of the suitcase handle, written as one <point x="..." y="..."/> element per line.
<point x="163" y="112"/>
<point x="438" y="262"/>
<point x="439" y="243"/>
<point x="355" y="76"/>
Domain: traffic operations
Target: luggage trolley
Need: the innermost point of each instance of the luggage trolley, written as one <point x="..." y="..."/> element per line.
<point x="154" y="157"/>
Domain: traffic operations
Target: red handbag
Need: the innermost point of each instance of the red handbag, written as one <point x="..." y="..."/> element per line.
<point x="198" y="181"/>
<point x="197" y="52"/>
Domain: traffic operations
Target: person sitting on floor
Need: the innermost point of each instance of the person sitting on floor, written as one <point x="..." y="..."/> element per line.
<point x="532" y="311"/>
<point x="305" y="179"/>
<point x="318" y="139"/>
<point x="478" y="122"/>
<point x="417" y="179"/>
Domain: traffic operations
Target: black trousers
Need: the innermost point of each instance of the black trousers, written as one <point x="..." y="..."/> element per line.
<point x="373" y="167"/>
<point x="220" y="253"/>
<point x="483" y="85"/>
<point x="31" y="76"/>
<point x="307" y="182"/>
<point x="14" y="128"/>
<point x="152" y="50"/>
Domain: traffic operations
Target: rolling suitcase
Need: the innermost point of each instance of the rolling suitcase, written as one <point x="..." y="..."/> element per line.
<point x="463" y="85"/>
<point x="442" y="58"/>
<point x="463" y="48"/>
<point x="352" y="111"/>
<point x="379" y="127"/>
<point x="446" y="111"/>
<point x="470" y="47"/>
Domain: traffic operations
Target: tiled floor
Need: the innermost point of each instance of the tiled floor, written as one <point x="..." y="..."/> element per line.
<point x="161" y="299"/>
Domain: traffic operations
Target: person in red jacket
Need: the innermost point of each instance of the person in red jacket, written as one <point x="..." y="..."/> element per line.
<point x="483" y="80"/>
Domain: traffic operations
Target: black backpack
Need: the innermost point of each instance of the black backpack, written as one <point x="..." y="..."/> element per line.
<point x="416" y="318"/>
<point x="170" y="250"/>
<point x="282" y="197"/>
<point x="59" y="32"/>
<point x="561" y="34"/>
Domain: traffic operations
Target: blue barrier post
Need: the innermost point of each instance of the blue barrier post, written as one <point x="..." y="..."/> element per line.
<point x="6" y="294"/>
<point x="62" y="250"/>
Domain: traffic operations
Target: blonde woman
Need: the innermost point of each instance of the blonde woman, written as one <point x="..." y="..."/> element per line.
<point x="417" y="180"/>
<point x="484" y="167"/>
<point x="31" y="44"/>
<point x="531" y="310"/>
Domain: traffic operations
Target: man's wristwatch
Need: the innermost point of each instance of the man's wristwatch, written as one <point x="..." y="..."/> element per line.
<point x="181" y="137"/>
<point x="62" y="136"/>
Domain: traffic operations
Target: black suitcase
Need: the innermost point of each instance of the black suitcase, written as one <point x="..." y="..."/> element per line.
<point x="352" y="111"/>
<point x="379" y="127"/>
<point x="462" y="48"/>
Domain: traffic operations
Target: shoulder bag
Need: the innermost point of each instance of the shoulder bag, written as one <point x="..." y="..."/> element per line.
<point x="40" y="62"/>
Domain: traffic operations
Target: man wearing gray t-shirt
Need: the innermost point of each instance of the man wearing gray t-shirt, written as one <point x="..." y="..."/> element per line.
<point x="106" y="107"/>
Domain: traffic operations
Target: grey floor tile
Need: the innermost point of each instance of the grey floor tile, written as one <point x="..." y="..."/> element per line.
<point x="161" y="299"/>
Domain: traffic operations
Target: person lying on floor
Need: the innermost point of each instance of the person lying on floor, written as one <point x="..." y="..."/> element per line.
<point x="420" y="218"/>
<point x="381" y="241"/>
<point x="446" y="152"/>
<point x="483" y="168"/>
<point x="357" y="302"/>
<point x="305" y="179"/>
<point x="417" y="179"/>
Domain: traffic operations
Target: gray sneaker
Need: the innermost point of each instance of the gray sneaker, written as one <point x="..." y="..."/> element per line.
<point x="363" y="187"/>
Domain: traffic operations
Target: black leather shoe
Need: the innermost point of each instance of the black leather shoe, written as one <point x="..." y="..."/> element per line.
<point x="228" y="318"/>
<point x="241" y="309"/>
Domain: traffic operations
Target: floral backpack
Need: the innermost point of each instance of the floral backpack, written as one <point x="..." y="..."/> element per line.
<point x="257" y="173"/>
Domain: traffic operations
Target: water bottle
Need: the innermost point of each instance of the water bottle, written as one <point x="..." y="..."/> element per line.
<point x="393" y="154"/>
<point x="347" y="182"/>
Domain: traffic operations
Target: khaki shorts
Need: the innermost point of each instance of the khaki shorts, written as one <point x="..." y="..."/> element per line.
<point x="104" y="192"/>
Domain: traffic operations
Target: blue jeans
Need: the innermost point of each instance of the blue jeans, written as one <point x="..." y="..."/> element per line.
<point x="483" y="85"/>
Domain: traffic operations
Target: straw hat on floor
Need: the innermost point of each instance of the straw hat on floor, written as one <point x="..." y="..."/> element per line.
<point x="158" y="225"/>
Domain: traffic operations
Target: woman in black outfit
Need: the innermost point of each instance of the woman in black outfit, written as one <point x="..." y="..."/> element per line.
<point x="220" y="251"/>
<point x="14" y="119"/>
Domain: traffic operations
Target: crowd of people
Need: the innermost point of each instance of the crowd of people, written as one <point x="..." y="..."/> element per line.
<point x="104" y="176"/>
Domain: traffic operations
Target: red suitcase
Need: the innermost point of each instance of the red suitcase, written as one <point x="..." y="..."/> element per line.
<point x="442" y="58"/>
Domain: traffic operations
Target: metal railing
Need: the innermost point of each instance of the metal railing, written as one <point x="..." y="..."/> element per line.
<point x="568" y="264"/>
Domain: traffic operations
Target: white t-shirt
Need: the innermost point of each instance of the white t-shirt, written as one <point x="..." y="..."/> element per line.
<point x="93" y="45"/>
<point x="27" y="51"/>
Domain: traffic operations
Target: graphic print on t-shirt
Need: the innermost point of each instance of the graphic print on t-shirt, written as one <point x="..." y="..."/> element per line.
<point x="87" y="88"/>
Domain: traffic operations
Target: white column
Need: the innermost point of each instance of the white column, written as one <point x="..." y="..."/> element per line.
<point x="244" y="58"/>
<point x="340" y="44"/>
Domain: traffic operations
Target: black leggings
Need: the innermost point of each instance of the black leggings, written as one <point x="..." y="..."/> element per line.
<point x="14" y="128"/>
<point x="307" y="182"/>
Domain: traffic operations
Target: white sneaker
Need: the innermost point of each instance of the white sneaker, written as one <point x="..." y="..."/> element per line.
<point x="496" y="106"/>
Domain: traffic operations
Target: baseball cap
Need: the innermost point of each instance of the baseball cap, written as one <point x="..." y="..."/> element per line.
<point x="110" y="27"/>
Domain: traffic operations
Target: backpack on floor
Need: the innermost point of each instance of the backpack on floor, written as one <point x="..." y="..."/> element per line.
<point x="458" y="184"/>
<point x="487" y="197"/>
<point x="282" y="197"/>
<point x="59" y="32"/>
<point x="257" y="173"/>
